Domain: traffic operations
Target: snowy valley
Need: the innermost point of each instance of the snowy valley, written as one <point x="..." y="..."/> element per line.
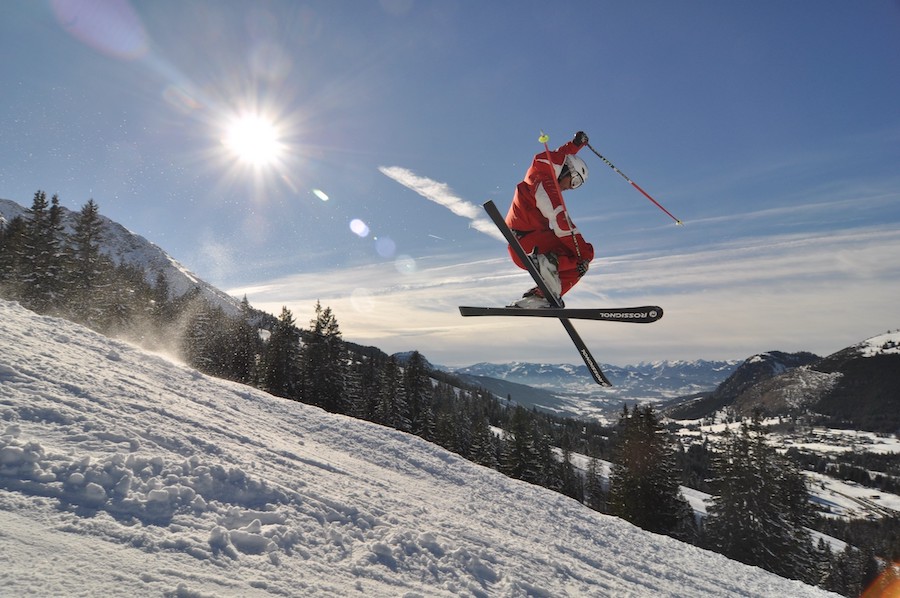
<point x="569" y="390"/>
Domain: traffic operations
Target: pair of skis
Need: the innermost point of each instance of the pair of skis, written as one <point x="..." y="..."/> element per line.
<point x="636" y="315"/>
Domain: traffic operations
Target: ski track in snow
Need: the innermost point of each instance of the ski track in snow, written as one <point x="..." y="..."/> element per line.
<point x="123" y="473"/>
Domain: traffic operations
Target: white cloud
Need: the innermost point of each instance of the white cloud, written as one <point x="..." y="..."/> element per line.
<point x="816" y="292"/>
<point x="441" y="194"/>
<point x="726" y="294"/>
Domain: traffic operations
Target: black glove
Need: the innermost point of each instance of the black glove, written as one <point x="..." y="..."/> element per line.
<point x="581" y="138"/>
<point x="582" y="268"/>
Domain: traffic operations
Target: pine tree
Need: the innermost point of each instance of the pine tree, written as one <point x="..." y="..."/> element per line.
<point x="549" y="471"/>
<point x="594" y="495"/>
<point x="125" y="297"/>
<point x="198" y="343"/>
<point x="419" y="392"/>
<point x="88" y="271"/>
<point x="243" y="347"/>
<point x="221" y="346"/>
<point x="571" y="482"/>
<point x="390" y="408"/>
<point x="794" y="543"/>
<point x="325" y="365"/>
<point x="57" y="258"/>
<point x="458" y="425"/>
<point x="12" y="257"/>
<point x="483" y="449"/>
<point x="824" y="564"/>
<point x="280" y="365"/>
<point x="644" y="485"/>
<point x="363" y="393"/>
<point x="759" y="513"/>
<point x="42" y="257"/>
<point x="518" y="455"/>
<point x="163" y="311"/>
<point x="445" y="402"/>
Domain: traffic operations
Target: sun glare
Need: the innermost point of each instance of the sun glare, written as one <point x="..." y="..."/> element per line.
<point x="254" y="139"/>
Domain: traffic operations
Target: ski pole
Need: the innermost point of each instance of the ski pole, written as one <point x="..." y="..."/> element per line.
<point x="544" y="138"/>
<point x="636" y="186"/>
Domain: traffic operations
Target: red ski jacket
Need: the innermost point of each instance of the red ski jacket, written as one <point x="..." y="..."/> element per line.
<point x="537" y="214"/>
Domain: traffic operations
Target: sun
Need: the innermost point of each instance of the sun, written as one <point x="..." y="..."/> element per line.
<point x="254" y="139"/>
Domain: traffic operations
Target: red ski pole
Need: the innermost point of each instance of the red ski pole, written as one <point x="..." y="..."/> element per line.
<point x="636" y="186"/>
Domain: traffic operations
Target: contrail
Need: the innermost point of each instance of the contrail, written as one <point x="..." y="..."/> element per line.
<point x="440" y="193"/>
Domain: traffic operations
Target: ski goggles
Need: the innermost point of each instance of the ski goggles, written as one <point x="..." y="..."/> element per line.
<point x="577" y="180"/>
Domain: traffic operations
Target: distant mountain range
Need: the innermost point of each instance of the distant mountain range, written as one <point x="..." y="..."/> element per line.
<point x="752" y="372"/>
<point x="570" y="390"/>
<point x="857" y="387"/>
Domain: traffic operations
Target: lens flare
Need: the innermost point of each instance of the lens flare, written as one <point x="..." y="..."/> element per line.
<point x="359" y="228"/>
<point x="112" y="27"/>
<point x="405" y="264"/>
<point x="385" y="247"/>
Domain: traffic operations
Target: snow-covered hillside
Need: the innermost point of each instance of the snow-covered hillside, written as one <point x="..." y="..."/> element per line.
<point x="122" y="473"/>
<point x="883" y="344"/>
<point x="123" y="246"/>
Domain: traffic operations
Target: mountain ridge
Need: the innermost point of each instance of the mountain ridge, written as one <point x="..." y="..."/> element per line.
<point x="571" y="390"/>
<point x="122" y="245"/>
<point x="855" y="386"/>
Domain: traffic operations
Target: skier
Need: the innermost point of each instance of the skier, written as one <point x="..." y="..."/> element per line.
<point x="539" y="220"/>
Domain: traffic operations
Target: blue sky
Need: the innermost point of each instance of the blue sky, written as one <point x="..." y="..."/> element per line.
<point x="772" y="129"/>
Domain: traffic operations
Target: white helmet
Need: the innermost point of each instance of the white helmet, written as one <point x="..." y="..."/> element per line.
<point x="576" y="167"/>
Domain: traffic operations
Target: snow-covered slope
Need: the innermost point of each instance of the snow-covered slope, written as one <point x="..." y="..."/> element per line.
<point x="124" y="246"/>
<point x="793" y="390"/>
<point x="122" y="473"/>
<point x="883" y="344"/>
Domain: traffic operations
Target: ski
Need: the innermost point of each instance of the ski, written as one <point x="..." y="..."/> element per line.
<point x="632" y="315"/>
<point x="555" y="302"/>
